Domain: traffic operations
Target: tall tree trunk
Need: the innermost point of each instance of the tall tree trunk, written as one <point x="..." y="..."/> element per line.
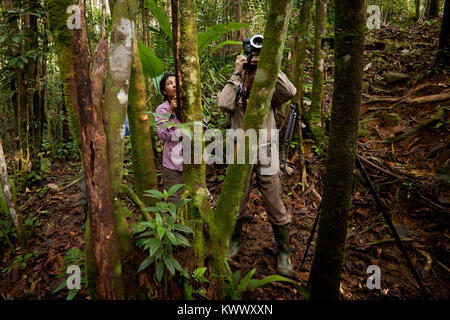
<point x="433" y="12"/>
<point x="417" y="7"/>
<point x="299" y="72"/>
<point x="141" y="140"/>
<point x="100" y="198"/>
<point x="117" y="85"/>
<point x="314" y="115"/>
<point x="33" y="86"/>
<point x="194" y="175"/>
<point x="7" y="192"/>
<point x="443" y="54"/>
<point x="225" y="215"/>
<point x="331" y="241"/>
<point x="62" y="39"/>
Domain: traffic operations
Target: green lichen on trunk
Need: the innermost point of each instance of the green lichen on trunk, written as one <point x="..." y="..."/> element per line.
<point x="141" y="140"/>
<point x="314" y="115"/>
<point x="117" y="85"/>
<point x="194" y="177"/>
<point x="62" y="39"/>
<point x="257" y="110"/>
<point x="331" y="241"/>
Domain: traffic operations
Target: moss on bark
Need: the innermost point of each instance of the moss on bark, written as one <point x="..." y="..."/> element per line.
<point x="314" y="115"/>
<point x="331" y="241"/>
<point x="62" y="39"/>
<point x="194" y="177"/>
<point x="141" y="140"/>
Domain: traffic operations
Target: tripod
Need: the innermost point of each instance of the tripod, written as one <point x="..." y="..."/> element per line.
<point x="288" y="135"/>
<point x="388" y="220"/>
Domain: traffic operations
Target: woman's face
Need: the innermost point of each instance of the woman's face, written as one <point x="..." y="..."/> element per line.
<point x="170" y="88"/>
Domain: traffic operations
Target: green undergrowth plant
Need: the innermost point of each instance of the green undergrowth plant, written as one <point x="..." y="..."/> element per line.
<point x="237" y="286"/>
<point x="76" y="257"/>
<point x="20" y="261"/>
<point x="160" y="235"/>
<point x="195" y="287"/>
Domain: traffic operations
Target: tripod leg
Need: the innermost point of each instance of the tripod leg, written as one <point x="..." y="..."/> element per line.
<point x="311" y="237"/>
<point x="286" y="136"/>
<point x="383" y="210"/>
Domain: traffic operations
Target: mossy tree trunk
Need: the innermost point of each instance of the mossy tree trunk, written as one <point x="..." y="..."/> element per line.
<point x="255" y="117"/>
<point x="94" y="148"/>
<point x="10" y="202"/>
<point x="194" y="175"/>
<point x="332" y="235"/>
<point x="299" y="72"/>
<point x="314" y="115"/>
<point x="443" y="55"/>
<point x="117" y="85"/>
<point x="62" y="39"/>
<point x="141" y="139"/>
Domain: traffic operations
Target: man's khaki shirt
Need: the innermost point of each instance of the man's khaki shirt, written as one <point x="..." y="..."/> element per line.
<point x="284" y="91"/>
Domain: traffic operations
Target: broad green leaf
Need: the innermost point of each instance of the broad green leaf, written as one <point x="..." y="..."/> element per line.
<point x="168" y="261"/>
<point x="177" y="265"/>
<point x="154" y="194"/>
<point x="255" y="284"/>
<point x="182" y="240"/>
<point x="174" y="189"/>
<point x="61" y="286"/>
<point x="145" y="263"/>
<point x="224" y="43"/>
<point x="152" y="209"/>
<point x="160" y="15"/>
<point x="182" y="202"/>
<point x="183" y="228"/>
<point x="72" y="293"/>
<point x="173" y="240"/>
<point x="173" y="210"/>
<point x="155" y="244"/>
<point x="243" y="284"/>
<point x="214" y="33"/>
<point x="152" y="66"/>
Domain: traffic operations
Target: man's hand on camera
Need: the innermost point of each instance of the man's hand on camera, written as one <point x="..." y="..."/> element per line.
<point x="240" y="61"/>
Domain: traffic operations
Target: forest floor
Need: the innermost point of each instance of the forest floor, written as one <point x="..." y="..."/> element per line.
<point x="412" y="177"/>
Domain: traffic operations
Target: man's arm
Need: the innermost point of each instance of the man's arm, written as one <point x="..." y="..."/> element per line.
<point x="227" y="98"/>
<point x="228" y="95"/>
<point x="284" y="91"/>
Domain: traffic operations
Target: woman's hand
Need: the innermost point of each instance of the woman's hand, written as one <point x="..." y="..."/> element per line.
<point x="173" y="105"/>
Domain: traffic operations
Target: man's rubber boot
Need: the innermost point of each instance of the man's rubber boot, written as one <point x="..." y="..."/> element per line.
<point x="235" y="243"/>
<point x="284" y="266"/>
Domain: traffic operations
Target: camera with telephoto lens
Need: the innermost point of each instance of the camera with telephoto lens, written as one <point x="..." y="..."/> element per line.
<point x="251" y="45"/>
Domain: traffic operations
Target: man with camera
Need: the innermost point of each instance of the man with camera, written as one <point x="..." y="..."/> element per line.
<point x="233" y="100"/>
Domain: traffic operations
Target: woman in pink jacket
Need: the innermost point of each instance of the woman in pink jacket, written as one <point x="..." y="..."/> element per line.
<point x="172" y="154"/>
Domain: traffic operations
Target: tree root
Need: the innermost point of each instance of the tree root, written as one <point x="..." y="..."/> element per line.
<point x="74" y="182"/>
<point x="380" y="242"/>
<point x="421" y="125"/>
<point x="126" y="190"/>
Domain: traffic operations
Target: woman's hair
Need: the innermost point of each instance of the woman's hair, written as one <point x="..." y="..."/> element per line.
<point x="162" y="83"/>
